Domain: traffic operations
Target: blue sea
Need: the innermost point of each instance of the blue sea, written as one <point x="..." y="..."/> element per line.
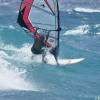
<point x="22" y="78"/>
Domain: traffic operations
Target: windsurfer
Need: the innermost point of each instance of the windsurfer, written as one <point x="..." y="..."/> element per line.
<point x="39" y="40"/>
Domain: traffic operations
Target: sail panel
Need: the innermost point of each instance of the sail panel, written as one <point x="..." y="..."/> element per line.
<point x="43" y="14"/>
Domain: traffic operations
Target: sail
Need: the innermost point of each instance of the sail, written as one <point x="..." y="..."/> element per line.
<point x="44" y="16"/>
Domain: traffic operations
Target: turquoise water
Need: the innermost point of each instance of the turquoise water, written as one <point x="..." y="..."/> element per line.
<point x="21" y="78"/>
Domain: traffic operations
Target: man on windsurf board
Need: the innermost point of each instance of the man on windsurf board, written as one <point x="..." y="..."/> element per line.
<point x="23" y="21"/>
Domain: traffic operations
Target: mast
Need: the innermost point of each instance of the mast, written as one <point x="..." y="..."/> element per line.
<point x="58" y="29"/>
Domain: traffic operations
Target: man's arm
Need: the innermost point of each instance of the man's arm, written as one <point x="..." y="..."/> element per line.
<point x="27" y="4"/>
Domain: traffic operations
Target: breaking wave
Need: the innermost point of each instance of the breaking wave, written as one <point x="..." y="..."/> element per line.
<point x="87" y="10"/>
<point x="12" y="76"/>
<point x="80" y="30"/>
<point x="84" y="30"/>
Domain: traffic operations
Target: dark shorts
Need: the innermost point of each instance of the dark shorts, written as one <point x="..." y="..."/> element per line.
<point x="34" y="51"/>
<point x="37" y="46"/>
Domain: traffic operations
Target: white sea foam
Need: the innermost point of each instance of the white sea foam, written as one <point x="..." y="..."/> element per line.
<point x="97" y="26"/>
<point x="80" y="30"/>
<point x="98" y="33"/>
<point x="11" y="77"/>
<point x="2" y="27"/>
<point x="4" y="3"/>
<point x="88" y="10"/>
<point x="11" y="27"/>
<point x="7" y="47"/>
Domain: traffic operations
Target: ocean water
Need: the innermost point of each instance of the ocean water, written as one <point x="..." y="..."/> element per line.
<point x="22" y="78"/>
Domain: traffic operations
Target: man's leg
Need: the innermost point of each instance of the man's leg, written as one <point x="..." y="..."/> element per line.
<point x="38" y="45"/>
